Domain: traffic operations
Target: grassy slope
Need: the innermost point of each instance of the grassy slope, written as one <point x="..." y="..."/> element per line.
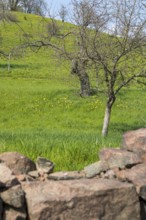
<point x="41" y="113"/>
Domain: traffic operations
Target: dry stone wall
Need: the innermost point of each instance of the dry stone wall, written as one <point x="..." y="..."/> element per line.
<point x="113" y="188"/>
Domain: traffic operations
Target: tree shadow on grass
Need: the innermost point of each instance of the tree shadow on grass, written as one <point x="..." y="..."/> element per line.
<point x="13" y="66"/>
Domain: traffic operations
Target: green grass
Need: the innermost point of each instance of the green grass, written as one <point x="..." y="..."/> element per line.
<point x="42" y="114"/>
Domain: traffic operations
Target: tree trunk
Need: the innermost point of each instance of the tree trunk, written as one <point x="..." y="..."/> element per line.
<point x="84" y="84"/>
<point x="79" y="68"/>
<point x="107" y="116"/>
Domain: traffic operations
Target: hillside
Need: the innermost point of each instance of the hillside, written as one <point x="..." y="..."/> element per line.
<point x="41" y="112"/>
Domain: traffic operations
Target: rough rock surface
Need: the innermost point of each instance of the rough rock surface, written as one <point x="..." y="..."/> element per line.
<point x="119" y="158"/>
<point x="17" y="163"/>
<point x="135" y="141"/>
<point x="95" y="168"/>
<point x="82" y="199"/>
<point x="14" y="196"/>
<point x="137" y="175"/>
<point x="66" y="175"/>
<point x="6" y="177"/>
<point x="44" y="165"/>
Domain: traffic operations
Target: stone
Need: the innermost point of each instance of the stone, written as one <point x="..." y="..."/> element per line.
<point x="14" y="197"/>
<point x="121" y="174"/>
<point x="82" y="199"/>
<point x="109" y="174"/>
<point x="21" y="177"/>
<point x="70" y="175"/>
<point x="95" y="168"/>
<point x="44" y="165"/>
<point x="137" y="175"/>
<point x="34" y="174"/>
<point x="135" y="141"/>
<point x="18" y="163"/>
<point x="14" y="214"/>
<point x="6" y="176"/>
<point x="119" y="158"/>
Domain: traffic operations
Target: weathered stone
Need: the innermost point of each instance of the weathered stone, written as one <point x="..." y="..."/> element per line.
<point x="137" y="175"/>
<point x="135" y="141"/>
<point x="18" y="163"/>
<point x="14" y="196"/>
<point x="109" y="174"/>
<point x="21" y="177"/>
<point x="14" y="214"/>
<point x="119" y="158"/>
<point x="34" y="174"/>
<point x="6" y="176"/>
<point x="66" y="175"/>
<point x="95" y="169"/>
<point x="82" y="199"/>
<point x="44" y="165"/>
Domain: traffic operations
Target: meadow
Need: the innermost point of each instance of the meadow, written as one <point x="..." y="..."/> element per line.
<point x="42" y="113"/>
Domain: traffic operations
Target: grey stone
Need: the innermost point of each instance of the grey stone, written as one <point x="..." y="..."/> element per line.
<point x="137" y="175"/>
<point x="135" y="141"/>
<point x="95" y="169"/>
<point x="34" y="174"/>
<point x="82" y="199"/>
<point x="109" y="174"/>
<point x="17" y="163"/>
<point x="44" y="165"/>
<point x="14" y="196"/>
<point x="119" y="158"/>
<point x="70" y="175"/>
<point x="6" y="176"/>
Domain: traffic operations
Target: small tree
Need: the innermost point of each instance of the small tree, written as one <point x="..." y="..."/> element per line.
<point x="120" y="52"/>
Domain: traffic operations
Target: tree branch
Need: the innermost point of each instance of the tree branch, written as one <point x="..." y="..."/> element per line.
<point x="143" y="75"/>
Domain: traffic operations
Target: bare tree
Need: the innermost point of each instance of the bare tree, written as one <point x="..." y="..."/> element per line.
<point x="28" y="6"/>
<point x="63" y="13"/>
<point x="34" y="6"/>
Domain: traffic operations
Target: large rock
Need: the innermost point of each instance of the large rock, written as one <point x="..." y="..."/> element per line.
<point x="18" y="163"/>
<point x="137" y="175"/>
<point x="119" y="158"/>
<point x="135" y="141"/>
<point x="14" y="197"/>
<point x="6" y="177"/>
<point x="82" y="199"/>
